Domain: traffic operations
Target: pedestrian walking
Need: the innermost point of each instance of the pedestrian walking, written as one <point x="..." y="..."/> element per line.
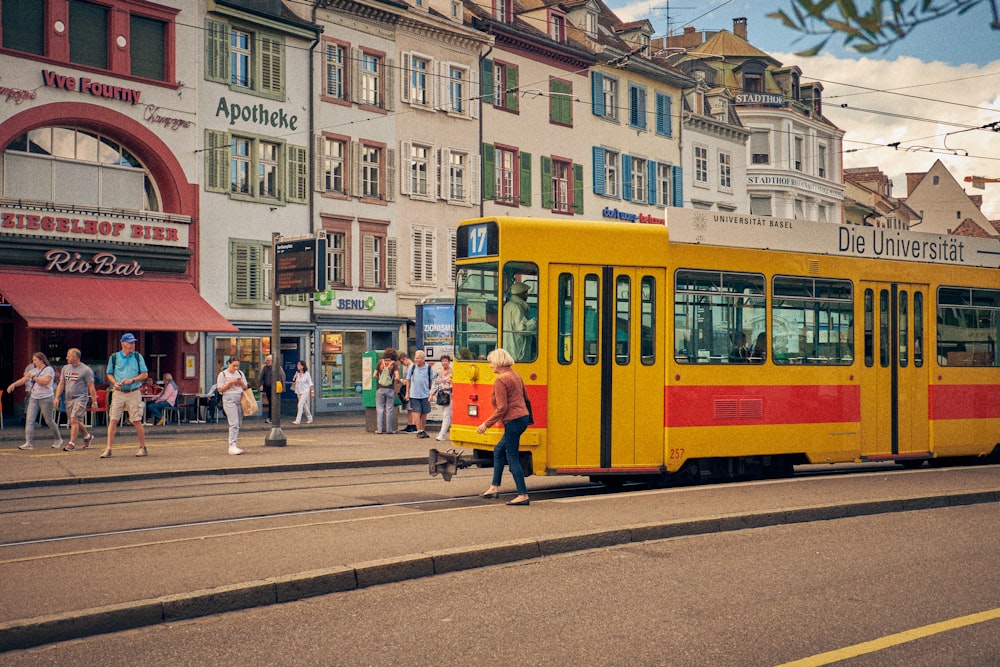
<point x="125" y="374"/>
<point x="386" y="376"/>
<point x="231" y="383"/>
<point x="39" y="386"/>
<point x="511" y="410"/>
<point x="404" y="391"/>
<point x="421" y="377"/>
<point x="76" y="385"/>
<point x="266" y="387"/>
<point x="441" y="395"/>
<point x="302" y="383"/>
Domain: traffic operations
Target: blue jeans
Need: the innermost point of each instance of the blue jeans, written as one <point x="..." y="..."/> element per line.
<point x="43" y="406"/>
<point x="385" y="399"/>
<point x="506" y="449"/>
<point x="156" y="409"/>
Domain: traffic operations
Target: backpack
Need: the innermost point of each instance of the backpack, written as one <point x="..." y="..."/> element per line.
<point x="385" y="376"/>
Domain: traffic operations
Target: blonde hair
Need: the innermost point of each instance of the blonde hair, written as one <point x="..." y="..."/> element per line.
<point x="501" y="358"/>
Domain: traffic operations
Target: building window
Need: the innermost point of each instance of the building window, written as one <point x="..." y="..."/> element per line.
<point x="797" y="154"/>
<point x="664" y="114"/>
<point x="725" y="171"/>
<point x="250" y="60"/>
<point x="338" y="248"/>
<point x="503" y="10"/>
<point x="604" y="96"/>
<point x="562" y="171"/>
<point x="336" y="66"/>
<point x="663" y="184"/>
<point x="760" y="205"/>
<point x="701" y="165"/>
<point x="760" y="151"/>
<point x="89" y="38"/>
<point x="423" y="242"/>
<point x="416" y="90"/>
<point x="504" y="79"/>
<point x="612" y="169"/>
<point x="457" y="163"/>
<point x="420" y="157"/>
<point x="753" y="77"/>
<point x="334" y="167"/>
<point x="373" y="254"/>
<point x="506" y="170"/>
<point x="821" y="161"/>
<point x="371" y="79"/>
<point x="457" y="77"/>
<point x="255" y="167"/>
<point x="639" y="167"/>
<point x="371" y="171"/>
<point x="558" y="25"/>
<point x="560" y="102"/>
<point x="590" y="23"/>
<point x="249" y="272"/>
<point x="637" y="106"/>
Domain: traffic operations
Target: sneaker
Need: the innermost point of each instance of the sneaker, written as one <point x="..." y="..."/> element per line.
<point x="410" y="429"/>
<point x="106" y="454"/>
<point x="310" y="421"/>
<point x="234" y="450"/>
<point x="267" y="421"/>
<point x="27" y="445"/>
<point x="422" y="434"/>
<point x="57" y="444"/>
<point x="87" y="440"/>
<point x="142" y="452"/>
<point x="440" y="439"/>
<point x="69" y="448"/>
<point x="296" y="422"/>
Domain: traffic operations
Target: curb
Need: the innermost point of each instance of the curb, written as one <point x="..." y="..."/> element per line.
<point x="28" y="633"/>
<point x="161" y="474"/>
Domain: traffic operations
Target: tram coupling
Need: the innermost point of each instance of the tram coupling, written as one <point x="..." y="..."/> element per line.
<point x="447" y="463"/>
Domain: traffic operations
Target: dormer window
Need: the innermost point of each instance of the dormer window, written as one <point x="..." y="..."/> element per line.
<point x="644" y="42"/>
<point x="503" y="10"/>
<point x="753" y="78"/>
<point x="796" y="91"/>
<point x="557" y="27"/>
<point x="590" y="24"/>
<point x="720" y="109"/>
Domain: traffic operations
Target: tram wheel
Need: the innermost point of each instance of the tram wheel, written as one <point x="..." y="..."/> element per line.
<point x="912" y="464"/>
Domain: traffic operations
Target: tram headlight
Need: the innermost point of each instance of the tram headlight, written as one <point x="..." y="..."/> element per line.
<point x="473" y="410"/>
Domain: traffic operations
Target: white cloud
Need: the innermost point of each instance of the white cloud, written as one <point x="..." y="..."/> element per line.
<point x="954" y="97"/>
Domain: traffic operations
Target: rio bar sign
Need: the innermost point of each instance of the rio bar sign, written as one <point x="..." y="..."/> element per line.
<point x="101" y="264"/>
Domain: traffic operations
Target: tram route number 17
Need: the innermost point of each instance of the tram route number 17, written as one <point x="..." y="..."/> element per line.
<point x="478" y="235"/>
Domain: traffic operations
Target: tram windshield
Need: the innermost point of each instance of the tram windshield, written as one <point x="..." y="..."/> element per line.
<point x="476" y="310"/>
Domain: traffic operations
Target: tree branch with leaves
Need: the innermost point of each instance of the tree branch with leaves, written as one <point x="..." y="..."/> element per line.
<point x="884" y="23"/>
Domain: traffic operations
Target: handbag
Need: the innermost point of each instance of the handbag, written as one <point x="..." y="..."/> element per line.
<point x="443" y="398"/>
<point x="527" y="403"/>
<point x="249" y="403"/>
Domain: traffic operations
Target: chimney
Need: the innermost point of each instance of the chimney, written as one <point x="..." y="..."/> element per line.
<point x="740" y="27"/>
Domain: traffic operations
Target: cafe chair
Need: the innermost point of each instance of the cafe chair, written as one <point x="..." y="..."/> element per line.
<point x="173" y="412"/>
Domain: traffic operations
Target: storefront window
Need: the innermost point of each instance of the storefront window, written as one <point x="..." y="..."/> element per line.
<point x="340" y="373"/>
<point x="250" y="351"/>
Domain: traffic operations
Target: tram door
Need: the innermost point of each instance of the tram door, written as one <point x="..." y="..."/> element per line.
<point x="605" y="368"/>
<point x="894" y="390"/>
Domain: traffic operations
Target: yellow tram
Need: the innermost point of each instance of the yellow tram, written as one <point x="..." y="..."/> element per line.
<point x="726" y="345"/>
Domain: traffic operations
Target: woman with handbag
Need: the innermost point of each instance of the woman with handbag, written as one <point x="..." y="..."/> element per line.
<point x="231" y="383"/>
<point x="441" y="394"/>
<point x="302" y="383"/>
<point x="511" y="409"/>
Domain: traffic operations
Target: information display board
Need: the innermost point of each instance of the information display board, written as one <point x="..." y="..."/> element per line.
<point x="300" y="266"/>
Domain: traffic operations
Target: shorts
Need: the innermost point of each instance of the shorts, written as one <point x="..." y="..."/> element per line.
<point x="130" y="401"/>
<point x="421" y="406"/>
<point x="77" y="408"/>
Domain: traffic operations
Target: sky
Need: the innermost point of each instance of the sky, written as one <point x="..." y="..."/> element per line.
<point x="928" y="92"/>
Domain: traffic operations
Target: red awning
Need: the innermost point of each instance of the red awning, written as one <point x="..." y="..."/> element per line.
<point x="49" y="301"/>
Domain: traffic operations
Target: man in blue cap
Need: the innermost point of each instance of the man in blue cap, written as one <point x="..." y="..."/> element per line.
<point x="126" y="373"/>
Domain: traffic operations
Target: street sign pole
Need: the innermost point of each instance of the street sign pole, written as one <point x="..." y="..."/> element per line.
<point x="276" y="438"/>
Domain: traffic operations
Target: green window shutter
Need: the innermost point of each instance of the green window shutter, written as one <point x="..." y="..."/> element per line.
<point x="272" y="79"/>
<point x="298" y="174"/>
<point x="525" y="180"/>
<point x="246" y="284"/>
<point x="578" y="189"/>
<point x="561" y="104"/>
<point x="546" y="164"/>
<point x="216" y="161"/>
<point x="216" y="51"/>
<point x="489" y="172"/>
<point x="486" y="81"/>
<point x="512" y="92"/>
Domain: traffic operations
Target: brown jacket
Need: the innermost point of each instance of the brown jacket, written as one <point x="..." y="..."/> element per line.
<point x="507" y="399"/>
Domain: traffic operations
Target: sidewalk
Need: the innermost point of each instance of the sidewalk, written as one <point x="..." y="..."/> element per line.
<point x="331" y="441"/>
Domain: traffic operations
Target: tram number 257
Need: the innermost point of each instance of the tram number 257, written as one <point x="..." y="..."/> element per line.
<point x="676" y="454"/>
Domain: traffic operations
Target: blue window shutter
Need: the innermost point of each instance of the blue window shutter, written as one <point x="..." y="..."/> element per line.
<point x="598" y="170"/>
<point x="664" y="104"/>
<point x="652" y="182"/>
<point x="668" y="116"/>
<point x="597" y="93"/>
<point x="627" y="177"/>
<point x="678" y="188"/>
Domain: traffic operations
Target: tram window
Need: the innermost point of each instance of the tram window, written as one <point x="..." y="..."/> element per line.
<point x="812" y="320"/>
<point x="520" y="310"/>
<point x="883" y="328"/>
<point x="968" y="326"/>
<point x="904" y="328"/>
<point x="476" y="310"/>
<point x="918" y="329"/>
<point x="565" y="343"/>
<point x="623" y="320"/>
<point x="715" y="314"/>
<point x="647" y="334"/>
<point x="869" y="328"/>
<point x="591" y="320"/>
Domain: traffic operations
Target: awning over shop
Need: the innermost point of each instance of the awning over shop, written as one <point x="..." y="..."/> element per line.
<point x="48" y="301"/>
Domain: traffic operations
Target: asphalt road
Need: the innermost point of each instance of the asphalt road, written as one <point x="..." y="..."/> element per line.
<point x="762" y="596"/>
